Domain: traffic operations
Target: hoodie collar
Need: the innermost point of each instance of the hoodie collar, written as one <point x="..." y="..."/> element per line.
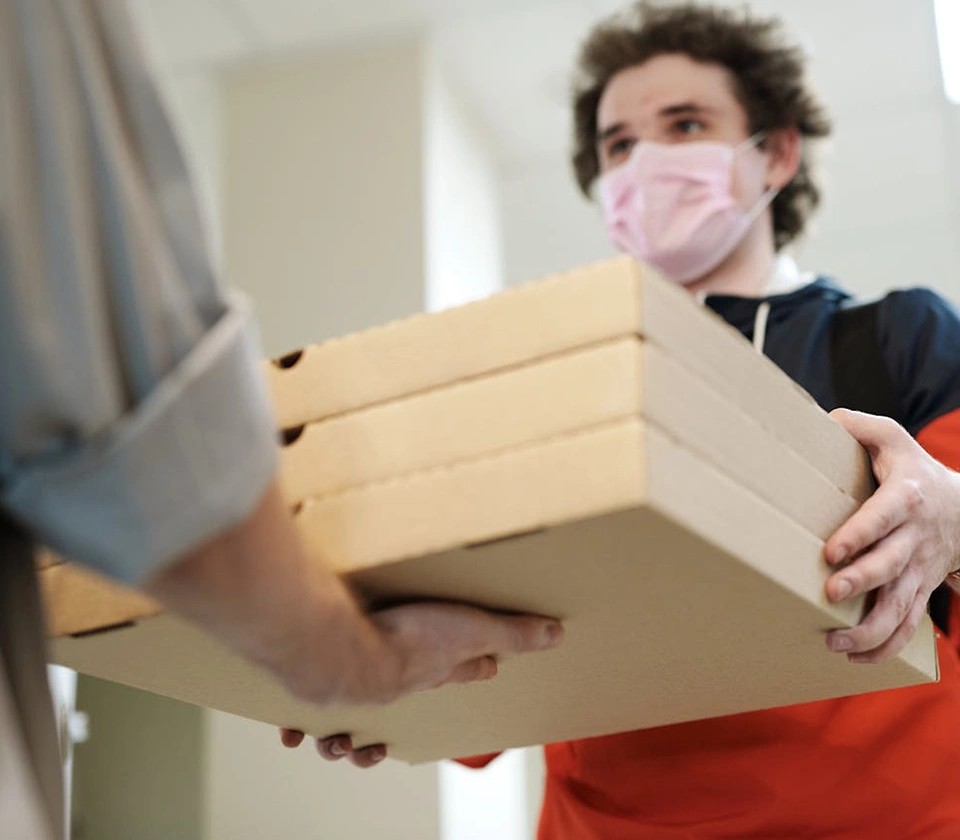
<point x="785" y="278"/>
<point x="789" y="288"/>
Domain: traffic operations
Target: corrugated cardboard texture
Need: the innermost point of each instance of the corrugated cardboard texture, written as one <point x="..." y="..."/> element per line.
<point x="554" y="316"/>
<point x="684" y="596"/>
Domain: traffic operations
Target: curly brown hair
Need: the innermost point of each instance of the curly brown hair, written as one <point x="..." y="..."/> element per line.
<point x="768" y="76"/>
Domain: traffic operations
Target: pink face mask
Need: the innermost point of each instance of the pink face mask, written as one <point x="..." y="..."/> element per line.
<point x="671" y="205"/>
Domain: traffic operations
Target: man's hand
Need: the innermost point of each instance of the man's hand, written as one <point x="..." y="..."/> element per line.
<point x="902" y="542"/>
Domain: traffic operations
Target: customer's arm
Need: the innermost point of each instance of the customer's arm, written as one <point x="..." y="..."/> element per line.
<point x="136" y="435"/>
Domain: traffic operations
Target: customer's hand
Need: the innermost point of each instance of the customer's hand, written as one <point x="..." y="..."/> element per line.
<point x="435" y="644"/>
<point x="338" y="747"/>
<point x="422" y="646"/>
<point x="901" y="543"/>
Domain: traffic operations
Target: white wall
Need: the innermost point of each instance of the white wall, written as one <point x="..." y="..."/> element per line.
<point x="464" y="253"/>
<point x="258" y="790"/>
<point x="548" y="226"/>
<point x="141" y="774"/>
<point x="893" y="199"/>
<point x="322" y="191"/>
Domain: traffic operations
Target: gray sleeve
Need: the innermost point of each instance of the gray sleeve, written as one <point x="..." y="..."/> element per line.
<point x="134" y="422"/>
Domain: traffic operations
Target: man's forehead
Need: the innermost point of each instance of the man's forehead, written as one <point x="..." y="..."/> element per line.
<point x="663" y="83"/>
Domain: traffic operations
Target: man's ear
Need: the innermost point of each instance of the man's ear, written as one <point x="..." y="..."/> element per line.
<point x="783" y="152"/>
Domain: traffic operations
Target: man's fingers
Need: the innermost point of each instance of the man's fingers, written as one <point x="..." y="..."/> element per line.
<point x="291" y="738"/>
<point x="369" y="756"/>
<point x="884" y="563"/>
<point x="895" y="602"/>
<point x="884" y="512"/>
<point x="335" y="747"/>
<point x="477" y="670"/>
<point x="898" y="641"/>
<point x="871" y="432"/>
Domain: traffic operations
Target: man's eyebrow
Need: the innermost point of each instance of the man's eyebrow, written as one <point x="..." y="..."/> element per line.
<point x="607" y="133"/>
<point x="679" y="110"/>
<point x="684" y="109"/>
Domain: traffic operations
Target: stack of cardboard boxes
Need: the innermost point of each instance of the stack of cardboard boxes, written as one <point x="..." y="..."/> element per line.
<point x="595" y="447"/>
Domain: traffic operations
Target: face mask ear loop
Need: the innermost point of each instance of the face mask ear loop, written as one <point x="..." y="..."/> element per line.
<point x="771" y="193"/>
<point x="765" y="200"/>
<point x="753" y="141"/>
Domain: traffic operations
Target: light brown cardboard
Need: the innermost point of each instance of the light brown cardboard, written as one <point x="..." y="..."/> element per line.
<point x="564" y="394"/>
<point x="475" y="417"/>
<point x="79" y="602"/>
<point x="539" y="320"/>
<point x="684" y="596"/>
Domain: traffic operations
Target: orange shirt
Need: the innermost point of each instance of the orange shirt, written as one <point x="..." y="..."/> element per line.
<point x="883" y="765"/>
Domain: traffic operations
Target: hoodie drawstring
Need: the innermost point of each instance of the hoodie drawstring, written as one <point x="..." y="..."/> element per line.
<point x="759" y="323"/>
<point x="760" y="326"/>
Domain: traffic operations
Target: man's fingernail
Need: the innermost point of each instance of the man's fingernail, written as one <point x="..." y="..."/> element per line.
<point x="840" y="644"/>
<point x="337" y="750"/>
<point x="843" y="589"/>
<point x="379" y="754"/>
<point x="551" y="636"/>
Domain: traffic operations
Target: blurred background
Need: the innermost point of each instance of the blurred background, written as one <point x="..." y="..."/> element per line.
<point x="359" y="162"/>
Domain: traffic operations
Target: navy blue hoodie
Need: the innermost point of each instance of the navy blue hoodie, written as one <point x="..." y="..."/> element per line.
<point x="919" y="340"/>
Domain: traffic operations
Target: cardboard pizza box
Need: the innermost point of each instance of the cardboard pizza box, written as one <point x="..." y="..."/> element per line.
<point x="684" y="595"/>
<point x="536" y="321"/>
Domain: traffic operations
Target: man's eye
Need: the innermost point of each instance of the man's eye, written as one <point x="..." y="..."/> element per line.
<point x="689" y="126"/>
<point x="621" y="148"/>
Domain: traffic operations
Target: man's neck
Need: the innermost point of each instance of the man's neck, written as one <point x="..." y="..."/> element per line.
<point x="747" y="271"/>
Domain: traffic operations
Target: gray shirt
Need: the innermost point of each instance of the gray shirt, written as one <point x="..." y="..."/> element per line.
<point x="134" y="422"/>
